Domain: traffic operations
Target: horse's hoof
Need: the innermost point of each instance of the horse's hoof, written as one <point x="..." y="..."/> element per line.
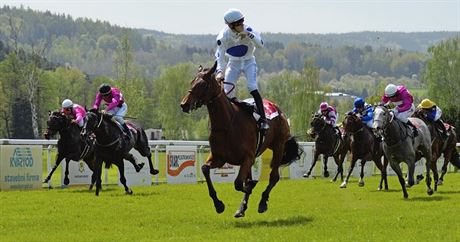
<point x="343" y="185"/>
<point x="90" y="187"/>
<point x="333" y="180"/>
<point x="262" y="207"/>
<point x="306" y="175"/>
<point x="239" y="214"/>
<point x="429" y="192"/>
<point x="361" y="184"/>
<point x="97" y="192"/>
<point x="154" y="172"/>
<point x="440" y="182"/>
<point x="129" y="192"/>
<point x="220" y="206"/>
<point x="46" y="180"/>
<point x="326" y="174"/>
<point x="66" y="181"/>
<point x="406" y="196"/>
<point x="379" y="189"/>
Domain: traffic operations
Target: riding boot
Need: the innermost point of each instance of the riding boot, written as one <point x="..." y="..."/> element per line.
<point x="127" y="132"/>
<point x="263" y="123"/>
<point x="415" y="132"/>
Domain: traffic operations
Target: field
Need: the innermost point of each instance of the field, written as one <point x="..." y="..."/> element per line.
<point x="299" y="210"/>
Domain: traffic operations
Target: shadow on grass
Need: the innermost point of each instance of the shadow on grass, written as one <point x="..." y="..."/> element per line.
<point x="292" y="221"/>
<point x="427" y="199"/>
<point x="389" y="190"/>
<point x="448" y="192"/>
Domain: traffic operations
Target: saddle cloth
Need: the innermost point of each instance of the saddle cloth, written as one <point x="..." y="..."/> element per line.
<point x="270" y="109"/>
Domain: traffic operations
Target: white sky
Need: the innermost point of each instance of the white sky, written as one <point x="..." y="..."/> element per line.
<point x="283" y="16"/>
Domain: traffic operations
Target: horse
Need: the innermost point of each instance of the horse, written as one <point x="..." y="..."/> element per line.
<point x="233" y="139"/>
<point x="399" y="145"/>
<point x="441" y="146"/>
<point x="328" y="144"/>
<point x="109" y="149"/>
<point x="364" y="145"/>
<point x="70" y="145"/>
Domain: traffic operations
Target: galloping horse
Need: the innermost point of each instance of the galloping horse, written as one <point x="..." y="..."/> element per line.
<point x="365" y="146"/>
<point x="439" y="146"/>
<point x="70" y="145"/>
<point x="108" y="148"/>
<point x="233" y="139"/>
<point x="400" y="146"/>
<point x="327" y="144"/>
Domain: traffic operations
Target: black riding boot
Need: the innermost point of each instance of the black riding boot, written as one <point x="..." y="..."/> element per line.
<point x="413" y="127"/>
<point x="127" y="132"/>
<point x="260" y="110"/>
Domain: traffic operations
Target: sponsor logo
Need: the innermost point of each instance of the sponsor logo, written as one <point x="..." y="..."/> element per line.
<point x="22" y="157"/>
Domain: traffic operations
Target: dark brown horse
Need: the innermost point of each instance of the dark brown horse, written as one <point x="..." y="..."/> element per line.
<point x="441" y="146"/>
<point x="70" y="145"/>
<point x="328" y="144"/>
<point x="233" y="139"/>
<point x="364" y="146"/>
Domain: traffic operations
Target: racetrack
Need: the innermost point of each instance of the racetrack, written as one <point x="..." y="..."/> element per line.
<point x="299" y="210"/>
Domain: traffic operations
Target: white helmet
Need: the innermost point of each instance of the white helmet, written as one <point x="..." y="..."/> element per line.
<point x="390" y="90"/>
<point x="232" y="15"/>
<point x="67" y="103"/>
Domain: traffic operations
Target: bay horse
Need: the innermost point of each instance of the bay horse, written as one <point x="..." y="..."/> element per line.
<point x="399" y="145"/>
<point x="70" y="145"/>
<point x="364" y="145"/>
<point x="328" y="144"/>
<point x="233" y="139"/>
<point x="109" y="149"/>
<point x="441" y="146"/>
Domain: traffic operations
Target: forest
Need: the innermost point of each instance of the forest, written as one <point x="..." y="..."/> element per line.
<point x="45" y="58"/>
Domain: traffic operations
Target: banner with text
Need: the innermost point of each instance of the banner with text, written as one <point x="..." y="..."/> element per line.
<point x="79" y="173"/>
<point x="20" y="167"/>
<point x="133" y="178"/>
<point x="181" y="164"/>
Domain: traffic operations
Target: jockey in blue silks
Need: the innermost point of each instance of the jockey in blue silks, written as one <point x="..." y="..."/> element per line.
<point x="364" y="111"/>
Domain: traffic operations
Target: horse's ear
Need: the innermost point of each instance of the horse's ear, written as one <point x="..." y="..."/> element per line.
<point x="200" y="68"/>
<point x="213" y="68"/>
<point x="49" y="112"/>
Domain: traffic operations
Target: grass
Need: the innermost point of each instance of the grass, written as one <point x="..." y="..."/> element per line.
<point x="299" y="210"/>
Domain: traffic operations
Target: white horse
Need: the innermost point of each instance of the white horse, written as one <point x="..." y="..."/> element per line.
<point x="400" y="146"/>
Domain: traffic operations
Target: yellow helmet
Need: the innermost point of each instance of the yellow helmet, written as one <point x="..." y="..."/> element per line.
<point x="426" y="103"/>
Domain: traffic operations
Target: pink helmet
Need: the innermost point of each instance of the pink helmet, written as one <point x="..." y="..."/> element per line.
<point x="323" y="106"/>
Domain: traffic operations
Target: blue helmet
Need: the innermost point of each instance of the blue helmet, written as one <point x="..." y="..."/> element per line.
<point x="359" y="102"/>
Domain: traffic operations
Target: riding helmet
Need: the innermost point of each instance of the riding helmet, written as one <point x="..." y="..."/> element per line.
<point x="105" y="89"/>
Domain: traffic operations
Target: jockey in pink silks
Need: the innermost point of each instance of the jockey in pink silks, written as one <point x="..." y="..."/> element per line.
<point x="329" y="115"/>
<point x="76" y="112"/>
<point x="400" y="96"/>
<point x="115" y="104"/>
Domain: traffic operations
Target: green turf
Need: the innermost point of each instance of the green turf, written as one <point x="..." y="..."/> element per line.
<point x="299" y="210"/>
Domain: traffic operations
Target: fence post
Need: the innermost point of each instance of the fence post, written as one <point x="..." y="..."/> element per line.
<point x="48" y="162"/>
<point x="156" y="164"/>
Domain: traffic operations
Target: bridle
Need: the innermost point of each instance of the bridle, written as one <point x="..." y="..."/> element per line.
<point x="99" y="123"/>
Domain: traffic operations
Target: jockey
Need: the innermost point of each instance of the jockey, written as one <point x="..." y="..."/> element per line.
<point x="404" y="102"/>
<point x="364" y="111"/>
<point x="237" y="41"/>
<point x="433" y="113"/>
<point x="330" y="115"/>
<point x="115" y="105"/>
<point x="74" y="111"/>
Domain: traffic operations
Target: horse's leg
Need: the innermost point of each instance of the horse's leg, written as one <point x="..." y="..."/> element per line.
<point x="218" y="204"/>
<point x="397" y="169"/>
<point x="250" y="184"/>
<point x="447" y="158"/>
<point x="66" y="173"/>
<point x="153" y="171"/>
<point x="350" y="170"/>
<point x="315" y="157"/>
<point x="339" y="168"/>
<point x="410" y="172"/>
<point x="383" y="171"/>
<point x="133" y="160"/>
<point x="59" y="158"/>
<point x="274" y="178"/>
<point x="144" y="149"/>
<point x="434" y="168"/>
<point x="325" y="158"/>
<point x="121" y="169"/>
<point x="98" y="173"/>
<point x="428" y="178"/>
<point x="361" y="175"/>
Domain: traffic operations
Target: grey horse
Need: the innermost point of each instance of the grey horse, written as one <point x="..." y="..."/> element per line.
<point x="400" y="146"/>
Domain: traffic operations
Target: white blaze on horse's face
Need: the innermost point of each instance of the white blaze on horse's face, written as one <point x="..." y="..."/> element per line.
<point x="379" y="118"/>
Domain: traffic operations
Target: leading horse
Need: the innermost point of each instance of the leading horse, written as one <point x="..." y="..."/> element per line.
<point x="109" y="149"/>
<point x="70" y="145"/>
<point x="441" y="146"/>
<point x="328" y="144"/>
<point x="233" y="139"/>
<point x="364" y="146"/>
<point x="399" y="145"/>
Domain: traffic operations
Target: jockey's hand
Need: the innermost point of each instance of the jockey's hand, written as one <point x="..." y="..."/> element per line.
<point x="220" y="76"/>
<point x="73" y="121"/>
<point x="243" y="34"/>
<point x="104" y="111"/>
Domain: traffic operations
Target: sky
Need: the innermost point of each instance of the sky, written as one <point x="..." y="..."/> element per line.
<point x="275" y="16"/>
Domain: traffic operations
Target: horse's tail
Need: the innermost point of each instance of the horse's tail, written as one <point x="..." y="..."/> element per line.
<point x="455" y="160"/>
<point x="292" y="151"/>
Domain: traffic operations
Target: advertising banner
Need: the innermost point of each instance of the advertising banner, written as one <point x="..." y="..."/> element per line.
<point x="79" y="173"/>
<point x="181" y="164"/>
<point x="133" y="178"/>
<point x="20" y="167"/>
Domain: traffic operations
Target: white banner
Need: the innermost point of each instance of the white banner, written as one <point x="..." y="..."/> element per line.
<point x="368" y="168"/>
<point x="181" y="164"/>
<point x="300" y="167"/>
<point x="133" y="178"/>
<point x="20" y="167"/>
<point x="228" y="173"/>
<point x="79" y="173"/>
